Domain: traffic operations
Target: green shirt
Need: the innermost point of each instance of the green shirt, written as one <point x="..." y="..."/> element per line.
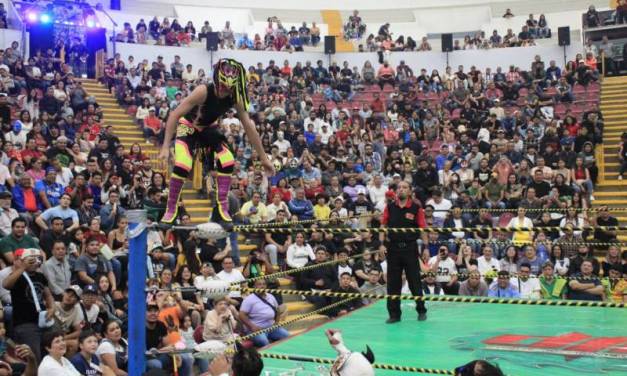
<point x="10" y="244"/>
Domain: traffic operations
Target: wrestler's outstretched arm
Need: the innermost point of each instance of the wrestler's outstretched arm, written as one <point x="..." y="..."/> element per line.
<point x="196" y="98"/>
<point x="253" y="138"/>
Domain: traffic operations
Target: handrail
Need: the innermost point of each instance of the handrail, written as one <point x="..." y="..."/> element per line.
<point x="101" y="9"/>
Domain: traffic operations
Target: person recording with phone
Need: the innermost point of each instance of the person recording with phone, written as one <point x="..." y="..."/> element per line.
<point x="31" y="298"/>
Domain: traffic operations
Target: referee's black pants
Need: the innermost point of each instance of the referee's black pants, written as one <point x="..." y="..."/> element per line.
<point x="403" y="256"/>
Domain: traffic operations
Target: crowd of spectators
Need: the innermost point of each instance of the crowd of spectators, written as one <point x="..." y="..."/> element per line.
<point x="384" y="40"/>
<point x="275" y="38"/>
<point x="521" y="140"/>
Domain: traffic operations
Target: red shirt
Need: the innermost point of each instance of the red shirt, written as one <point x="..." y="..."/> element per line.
<point x="420" y="216"/>
<point x="377" y="105"/>
<point x="153" y="123"/>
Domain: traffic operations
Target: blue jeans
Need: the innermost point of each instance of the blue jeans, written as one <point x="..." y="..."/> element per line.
<point x="234" y="248"/>
<point x="264" y="339"/>
<point x="164" y="361"/>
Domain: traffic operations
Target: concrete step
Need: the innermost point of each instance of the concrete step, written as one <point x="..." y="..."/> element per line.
<point x="612" y="183"/>
<point x="618" y="200"/>
<point x="128" y="132"/>
<point x="299" y="307"/>
<point x="130" y="139"/>
<point x="610" y="194"/>
<point x="305" y="324"/>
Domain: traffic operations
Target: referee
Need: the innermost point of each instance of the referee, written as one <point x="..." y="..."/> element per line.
<point x="403" y="250"/>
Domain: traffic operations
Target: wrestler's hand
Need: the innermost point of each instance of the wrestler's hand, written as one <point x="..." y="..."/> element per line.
<point x="164" y="154"/>
<point x="332" y="340"/>
<point x="269" y="167"/>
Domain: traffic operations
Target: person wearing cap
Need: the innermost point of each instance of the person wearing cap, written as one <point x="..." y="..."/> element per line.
<point x="68" y="316"/>
<point x="90" y="311"/>
<point x="156" y="336"/>
<point x="7" y="213"/>
<point x="27" y="285"/>
<point x="18" y="238"/>
<point x="403" y="250"/>
<point x="63" y="211"/>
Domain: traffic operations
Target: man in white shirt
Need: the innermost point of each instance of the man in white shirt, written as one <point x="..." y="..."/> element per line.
<point x="312" y="119"/>
<point x="230" y="120"/>
<point x="230" y="274"/>
<point x="446" y="271"/>
<point x="487" y="263"/>
<point x="440" y="205"/>
<point x="281" y="142"/>
<point x="188" y="74"/>
<point x="325" y="134"/>
<point x="529" y="288"/>
<point x="5" y="175"/>
<point x="377" y="191"/>
<point x="7" y="213"/>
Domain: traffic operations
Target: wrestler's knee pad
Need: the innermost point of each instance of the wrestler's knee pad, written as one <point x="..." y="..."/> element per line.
<point x="183" y="159"/>
<point x="225" y="159"/>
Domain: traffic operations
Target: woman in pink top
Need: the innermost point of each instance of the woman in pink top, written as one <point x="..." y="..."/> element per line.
<point x="503" y="168"/>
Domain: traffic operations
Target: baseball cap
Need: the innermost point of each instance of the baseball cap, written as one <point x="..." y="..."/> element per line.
<point x="361" y="191"/>
<point x="62" y="139"/>
<point x="90" y="289"/>
<point x="23" y="253"/>
<point x="396" y="176"/>
<point x="5" y="67"/>
<point x="76" y="290"/>
<point x="339" y="198"/>
<point x="5" y="195"/>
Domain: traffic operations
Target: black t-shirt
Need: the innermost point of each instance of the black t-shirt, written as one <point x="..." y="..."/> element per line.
<point x="542" y="188"/>
<point x="24" y="310"/>
<point x="602" y="236"/>
<point x="207" y="253"/>
<point x="154" y="337"/>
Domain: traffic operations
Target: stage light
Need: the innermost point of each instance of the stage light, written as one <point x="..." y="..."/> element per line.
<point x="45" y="18"/>
<point x="98" y="24"/>
<point x="32" y="17"/>
<point x="91" y="23"/>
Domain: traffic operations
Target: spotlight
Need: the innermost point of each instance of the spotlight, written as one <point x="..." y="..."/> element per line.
<point x="45" y="18"/>
<point x="90" y="23"/>
<point x="32" y="17"/>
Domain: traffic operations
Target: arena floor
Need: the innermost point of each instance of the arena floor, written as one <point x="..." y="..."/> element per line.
<point x="523" y="340"/>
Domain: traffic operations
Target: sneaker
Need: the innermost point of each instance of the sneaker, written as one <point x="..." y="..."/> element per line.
<point x="392" y="320"/>
<point x="591" y="198"/>
<point x="620" y="177"/>
<point x="422" y="316"/>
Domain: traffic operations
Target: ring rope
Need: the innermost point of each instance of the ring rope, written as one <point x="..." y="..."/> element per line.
<point x="451" y="299"/>
<point x="389" y="367"/>
<point x="438" y="230"/>
<point x="304" y="222"/>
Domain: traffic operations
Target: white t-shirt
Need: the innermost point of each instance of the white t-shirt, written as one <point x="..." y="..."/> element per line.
<point x="234" y="276"/>
<point x="299" y="256"/>
<point x="377" y="196"/>
<point x="446" y="269"/>
<point x="529" y="289"/>
<point x="432" y="290"/>
<point x="441" y="209"/>
<point x="92" y="314"/>
<point x="486" y="266"/>
<point x="282" y="145"/>
<point x="49" y="366"/>
<point x="4" y="174"/>
<point x="65" y="177"/>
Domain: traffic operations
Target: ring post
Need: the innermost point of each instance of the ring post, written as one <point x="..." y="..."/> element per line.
<point x="136" y="291"/>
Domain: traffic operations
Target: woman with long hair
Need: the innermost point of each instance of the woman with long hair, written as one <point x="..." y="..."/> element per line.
<point x="509" y="262"/>
<point x="136" y="152"/>
<point x="573" y="218"/>
<point x="559" y="260"/>
<point x="465" y="261"/>
<point x="582" y="180"/>
<point x="191" y="300"/>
